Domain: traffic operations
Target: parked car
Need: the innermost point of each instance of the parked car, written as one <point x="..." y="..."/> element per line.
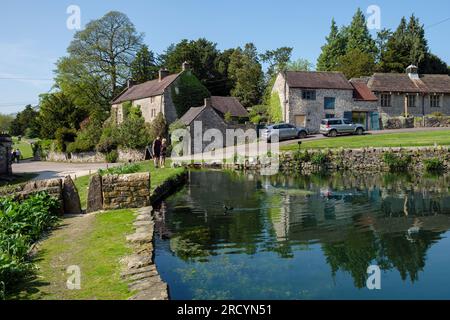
<point x="284" y="131"/>
<point x="335" y="126"/>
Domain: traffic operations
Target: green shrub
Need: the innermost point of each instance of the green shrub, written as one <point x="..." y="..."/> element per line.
<point x="112" y="156"/>
<point x="434" y="165"/>
<point x="22" y="224"/>
<point x="319" y="159"/>
<point x="275" y="111"/>
<point x="397" y="163"/>
<point x="302" y="156"/>
<point x="64" y="136"/>
<point x="125" y="169"/>
<point x="437" y="114"/>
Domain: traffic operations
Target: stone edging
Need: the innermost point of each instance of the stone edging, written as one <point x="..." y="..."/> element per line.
<point x="140" y="269"/>
<point x="168" y="187"/>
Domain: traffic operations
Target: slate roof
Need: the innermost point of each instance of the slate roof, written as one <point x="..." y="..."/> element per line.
<point x="317" y="80"/>
<point x="229" y="104"/>
<point x="401" y="82"/>
<point x="147" y="89"/>
<point x="191" y="114"/>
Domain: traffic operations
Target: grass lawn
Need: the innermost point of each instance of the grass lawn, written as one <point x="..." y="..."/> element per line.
<point x="408" y="139"/>
<point x="24" y="147"/>
<point x="158" y="176"/>
<point x="95" y="243"/>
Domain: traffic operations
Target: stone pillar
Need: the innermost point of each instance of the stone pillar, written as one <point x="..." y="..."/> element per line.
<point x="71" y="197"/>
<point x="5" y="155"/>
<point x="95" y="194"/>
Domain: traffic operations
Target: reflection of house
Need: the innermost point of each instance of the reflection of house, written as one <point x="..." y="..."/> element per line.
<point x="212" y="115"/>
<point x="308" y="97"/>
<point x="153" y="96"/>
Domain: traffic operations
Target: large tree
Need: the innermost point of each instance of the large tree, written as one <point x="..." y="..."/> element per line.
<point x="246" y="72"/>
<point x="356" y="63"/>
<point x="358" y="35"/>
<point x="277" y="60"/>
<point x="98" y="64"/>
<point x="144" y="66"/>
<point x="333" y="49"/>
<point x="57" y="110"/>
<point x="25" y="123"/>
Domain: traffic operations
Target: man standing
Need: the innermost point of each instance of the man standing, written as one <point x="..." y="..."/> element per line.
<point x="156" y="148"/>
<point x="18" y="155"/>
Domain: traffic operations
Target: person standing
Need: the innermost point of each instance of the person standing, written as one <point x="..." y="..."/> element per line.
<point x="13" y="156"/>
<point x="162" y="162"/>
<point x="156" y="148"/>
<point x="18" y="155"/>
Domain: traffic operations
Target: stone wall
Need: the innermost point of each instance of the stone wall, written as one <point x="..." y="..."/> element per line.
<point x="125" y="155"/>
<point x="126" y="191"/>
<point x="415" y="122"/>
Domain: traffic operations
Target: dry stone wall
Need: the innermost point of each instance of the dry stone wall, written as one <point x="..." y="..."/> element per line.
<point x="126" y="191"/>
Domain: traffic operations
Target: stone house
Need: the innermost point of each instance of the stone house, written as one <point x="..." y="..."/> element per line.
<point x="153" y="97"/>
<point x="212" y="116"/>
<point x="308" y="97"/>
<point x="410" y="93"/>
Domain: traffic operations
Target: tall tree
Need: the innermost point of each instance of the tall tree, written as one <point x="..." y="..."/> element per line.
<point x="5" y="122"/>
<point x="299" y="65"/>
<point x="222" y="85"/>
<point x="333" y="49"/>
<point x="143" y="67"/>
<point x="276" y="59"/>
<point x="99" y="60"/>
<point x="246" y="72"/>
<point x="358" y="35"/>
<point x="356" y="63"/>
<point x="381" y="41"/>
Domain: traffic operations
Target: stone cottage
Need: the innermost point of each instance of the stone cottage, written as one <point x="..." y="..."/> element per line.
<point x="308" y="97"/>
<point x="152" y="97"/>
<point x="410" y="93"/>
<point x="212" y="116"/>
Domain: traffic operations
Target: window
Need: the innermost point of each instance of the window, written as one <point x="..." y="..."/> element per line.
<point x="385" y="100"/>
<point x="435" y="101"/>
<point x="335" y="122"/>
<point x="347" y="121"/>
<point x="329" y="103"/>
<point x="411" y="101"/>
<point x="329" y="116"/>
<point x="309" y="95"/>
<point x="153" y="113"/>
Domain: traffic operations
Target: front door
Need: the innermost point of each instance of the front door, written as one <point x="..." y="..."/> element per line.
<point x="300" y="121"/>
<point x="374" y="121"/>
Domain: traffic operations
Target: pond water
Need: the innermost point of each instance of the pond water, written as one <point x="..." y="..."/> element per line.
<point x="306" y="237"/>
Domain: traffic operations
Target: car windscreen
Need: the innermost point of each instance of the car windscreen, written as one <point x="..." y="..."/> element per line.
<point x="324" y="122"/>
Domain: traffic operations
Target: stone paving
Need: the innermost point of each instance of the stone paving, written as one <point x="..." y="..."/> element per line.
<point x="139" y="268"/>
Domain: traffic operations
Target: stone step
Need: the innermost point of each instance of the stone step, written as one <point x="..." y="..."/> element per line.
<point x="131" y="272"/>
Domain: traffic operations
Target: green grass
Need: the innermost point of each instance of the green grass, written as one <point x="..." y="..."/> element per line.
<point x="408" y="139"/>
<point x="82" y="184"/>
<point x="24" y="147"/>
<point x="95" y="244"/>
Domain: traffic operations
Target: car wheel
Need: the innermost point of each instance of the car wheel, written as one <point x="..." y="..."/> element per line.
<point x="302" y="135"/>
<point x="359" y="131"/>
<point x="333" y="133"/>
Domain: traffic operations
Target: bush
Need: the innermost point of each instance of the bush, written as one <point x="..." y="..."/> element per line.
<point x="125" y="169"/>
<point x="434" y="165"/>
<point x="397" y="163"/>
<point x="302" y="156"/>
<point x="22" y="224"/>
<point x="319" y="159"/>
<point x="112" y="156"/>
<point x="86" y="139"/>
<point x="158" y="127"/>
<point x="133" y="133"/>
<point x="64" y="136"/>
<point x="437" y="114"/>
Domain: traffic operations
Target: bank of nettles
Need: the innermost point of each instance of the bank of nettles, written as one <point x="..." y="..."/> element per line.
<point x="21" y="225"/>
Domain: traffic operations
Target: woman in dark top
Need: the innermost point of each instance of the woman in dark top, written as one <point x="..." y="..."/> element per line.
<point x="156" y="148"/>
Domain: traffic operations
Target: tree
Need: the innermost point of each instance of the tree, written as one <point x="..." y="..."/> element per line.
<point x="358" y="35"/>
<point x="143" y="67"/>
<point x="98" y="64"/>
<point x="25" y="121"/>
<point x="356" y="63"/>
<point x="5" y="122"/>
<point x="383" y="37"/>
<point x="57" y="110"/>
<point x="277" y="60"/>
<point x="246" y="72"/>
<point x="299" y="65"/>
<point x="432" y="64"/>
<point x="259" y="114"/>
<point x="332" y="50"/>
<point x="222" y="85"/>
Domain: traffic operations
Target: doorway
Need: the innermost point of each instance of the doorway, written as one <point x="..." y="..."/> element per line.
<point x="360" y="118"/>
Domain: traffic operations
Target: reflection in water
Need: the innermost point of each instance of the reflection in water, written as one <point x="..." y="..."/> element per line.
<point x="301" y="237"/>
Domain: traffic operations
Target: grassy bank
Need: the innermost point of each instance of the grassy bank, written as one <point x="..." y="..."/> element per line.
<point x="24" y="147"/>
<point x="95" y="243"/>
<point x="407" y="139"/>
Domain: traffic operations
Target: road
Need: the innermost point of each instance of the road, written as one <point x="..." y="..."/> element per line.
<point x="254" y="150"/>
<point x="49" y="170"/>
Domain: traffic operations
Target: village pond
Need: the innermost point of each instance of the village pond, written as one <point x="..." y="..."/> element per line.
<point x="230" y="235"/>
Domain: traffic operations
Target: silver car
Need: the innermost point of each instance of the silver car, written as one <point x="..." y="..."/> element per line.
<point x="284" y="131"/>
<point x="333" y="127"/>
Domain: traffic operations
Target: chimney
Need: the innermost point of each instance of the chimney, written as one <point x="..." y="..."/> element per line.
<point x="186" y="66"/>
<point x="163" y="73"/>
<point x="412" y="72"/>
<point x="208" y="102"/>
<point x="130" y="83"/>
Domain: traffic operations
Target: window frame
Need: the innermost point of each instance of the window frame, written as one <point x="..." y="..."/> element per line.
<point x="413" y="98"/>
<point x="386" y="100"/>
<point x="309" y="95"/>
<point x="435" y="101"/>
<point x="329" y="99"/>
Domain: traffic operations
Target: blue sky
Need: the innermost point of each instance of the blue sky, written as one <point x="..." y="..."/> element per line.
<point x="33" y="33"/>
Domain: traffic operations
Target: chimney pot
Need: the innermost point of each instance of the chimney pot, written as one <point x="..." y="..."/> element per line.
<point x="163" y="73"/>
<point x="208" y="102"/>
